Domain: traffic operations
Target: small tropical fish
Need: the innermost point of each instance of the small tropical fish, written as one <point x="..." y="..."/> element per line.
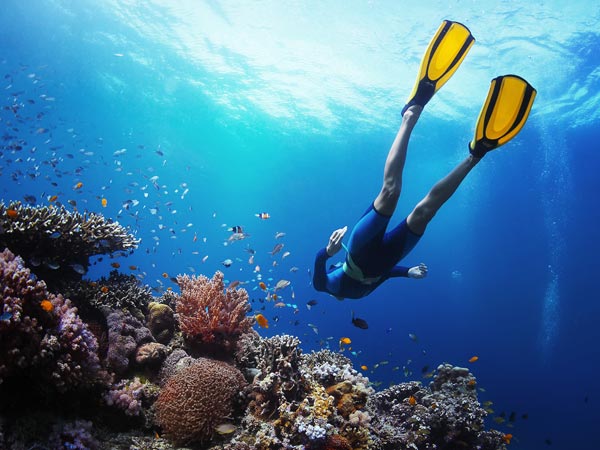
<point x="413" y="337"/>
<point x="279" y="234"/>
<point x="345" y="341"/>
<point x="46" y="305"/>
<point x="78" y="268"/>
<point x="472" y="359"/>
<point x="165" y="275"/>
<point x="236" y="229"/>
<point x="310" y="304"/>
<point x="412" y="401"/>
<point x="507" y="437"/>
<point x="12" y="213"/>
<point x="53" y="198"/>
<point x="279" y="305"/>
<point x="363" y="367"/>
<point x="104" y="202"/>
<point x="285" y="255"/>
<point x="276" y="249"/>
<point x="471" y="382"/>
<point x="233" y="284"/>
<point x="499" y="420"/>
<point x="261" y="321"/>
<point x="78" y="186"/>
<point x="227" y="263"/>
<point x="359" y="323"/>
<point x="262" y="285"/>
<point x="204" y="259"/>
<point x="133" y="267"/>
<point x="263" y="215"/>
<point x="282" y="284"/>
<point x="104" y="289"/>
<point x="116" y="265"/>
<point x="225" y="428"/>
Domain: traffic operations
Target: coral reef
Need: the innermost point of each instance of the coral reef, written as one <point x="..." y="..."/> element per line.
<point x="118" y="291"/>
<point x="161" y="321"/>
<point x="56" y="243"/>
<point x="211" y="317"/>
<point x="198" y="398"/>
<point x="125" y="335"/>
<point x="73" y="435"/>
<point x="445" y="415"/>
<point x="42" y="331"/>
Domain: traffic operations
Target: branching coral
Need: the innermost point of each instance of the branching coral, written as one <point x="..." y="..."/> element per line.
<point x="43" y="331"/>
<point x="56" y="243"/>
<point x="198" y="398"/>
<point x="210" y="316"/>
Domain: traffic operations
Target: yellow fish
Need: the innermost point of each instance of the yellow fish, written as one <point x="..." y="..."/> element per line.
<point x="261" y="321"/>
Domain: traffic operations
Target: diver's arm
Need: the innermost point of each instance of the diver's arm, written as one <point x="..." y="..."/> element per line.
<point x="320" y="272"/>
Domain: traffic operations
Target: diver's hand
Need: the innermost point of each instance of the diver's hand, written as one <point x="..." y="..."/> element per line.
<point x="335" y="241"/>
<point x="417" y="272"/>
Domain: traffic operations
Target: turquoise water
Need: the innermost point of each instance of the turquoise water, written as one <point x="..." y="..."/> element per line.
<point x="290" y="109"/>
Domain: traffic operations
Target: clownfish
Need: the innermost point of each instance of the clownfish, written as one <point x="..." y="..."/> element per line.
<point x="263" y="215"/>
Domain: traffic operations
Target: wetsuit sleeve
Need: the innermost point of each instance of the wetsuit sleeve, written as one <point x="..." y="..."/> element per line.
<point x="399" y="271"/>
<point x="320" y="272"/>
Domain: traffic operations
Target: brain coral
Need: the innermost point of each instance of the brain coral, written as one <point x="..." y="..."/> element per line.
<point x="196" y="399"/>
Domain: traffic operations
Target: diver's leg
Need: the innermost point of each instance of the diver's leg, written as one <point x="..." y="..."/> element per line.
<point x="425" y="210"/>
<point x="386" y="201"/>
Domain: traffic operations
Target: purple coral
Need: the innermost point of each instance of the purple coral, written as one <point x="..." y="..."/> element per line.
<point x="43" y="331"/>
<point x="127" y="396"/>
<point x="73" y="435"/>
<point x="125" y="334"/>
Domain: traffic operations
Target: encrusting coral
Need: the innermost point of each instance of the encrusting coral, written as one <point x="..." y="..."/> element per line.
<point x="55" y="243"/>
<point x="198" y="398"/>
<point x="211" y="317"/>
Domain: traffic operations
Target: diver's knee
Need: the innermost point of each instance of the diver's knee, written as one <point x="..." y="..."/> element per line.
<point x="390" y="192"/>
<point x="422" y="215"/>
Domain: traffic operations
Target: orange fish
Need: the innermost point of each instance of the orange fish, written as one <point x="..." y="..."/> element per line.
<point x="116" y="265"/>
<point x="412" y="401"/>
<point x="12" y="213"/>
<point x="262" y="285"/>
<point x="104" y="289"/>
<point x="263" y="215"/>
<point x="279" y="305"/>
<point x="53" y="198"/>
<point x="46" y="305"/>
<point x="472" y="382"/>
<point x="507" y="437"/>
<point x="345" y="340"/>
<point x="275" y="297"/>
<point x="472" y="359"/>
<point x="133" y="267"/>
<point x="104" y="202"/>
<point x="165" y="275"/>
<point x="261" y="321"/>
<point x="363" y="367"/>
<point x="78" y="186"/>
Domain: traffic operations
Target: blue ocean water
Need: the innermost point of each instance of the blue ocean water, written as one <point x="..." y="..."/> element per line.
<point x="190" y="118"/>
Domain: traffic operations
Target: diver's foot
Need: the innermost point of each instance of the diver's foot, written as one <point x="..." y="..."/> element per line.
<point x="425" y="91"/>
<point x="412" y="114"/>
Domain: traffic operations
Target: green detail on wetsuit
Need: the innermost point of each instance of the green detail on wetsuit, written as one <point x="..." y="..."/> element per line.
<point x="504" y="113"/>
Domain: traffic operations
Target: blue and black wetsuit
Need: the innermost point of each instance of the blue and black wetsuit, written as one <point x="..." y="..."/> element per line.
<point x="372" y="257"/>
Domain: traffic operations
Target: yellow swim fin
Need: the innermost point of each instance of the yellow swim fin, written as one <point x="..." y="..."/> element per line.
<point x="504" y="113"/>
<point x="444" y="54"/>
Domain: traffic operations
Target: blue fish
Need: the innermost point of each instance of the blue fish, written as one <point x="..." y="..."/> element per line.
<point x="6" y="316"/>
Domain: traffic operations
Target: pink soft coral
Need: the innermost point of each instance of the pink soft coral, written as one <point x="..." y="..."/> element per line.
<point x="211" y="316"/>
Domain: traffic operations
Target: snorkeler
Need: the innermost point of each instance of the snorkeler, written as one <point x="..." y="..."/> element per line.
<point x="373" y="253"/>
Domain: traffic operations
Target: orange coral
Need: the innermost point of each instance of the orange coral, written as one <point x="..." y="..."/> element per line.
<point x="209" y="314"/>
